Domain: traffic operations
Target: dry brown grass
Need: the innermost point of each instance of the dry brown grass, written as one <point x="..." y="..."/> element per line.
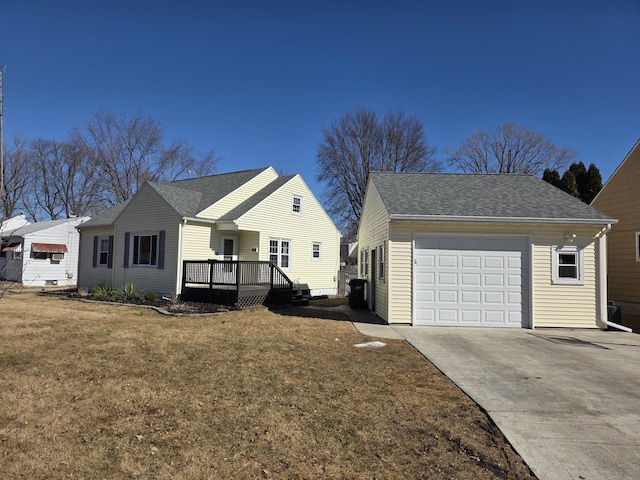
<point x="106" y="391"/>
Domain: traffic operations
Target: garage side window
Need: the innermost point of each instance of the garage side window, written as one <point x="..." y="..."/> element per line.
<point x="381" y="261"/>
<point x="568" y="265"/>
<point x="637" y="246"/>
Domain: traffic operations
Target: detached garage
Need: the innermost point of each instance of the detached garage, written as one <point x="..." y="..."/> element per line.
<point x="481" y="251"/>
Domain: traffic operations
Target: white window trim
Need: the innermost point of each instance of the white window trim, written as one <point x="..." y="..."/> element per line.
<point x="637" y="246"/>
<point x="132" y="245"/>
<point x="279" y="254"/>
<point x="293" y="205"/>
<point x="319" y="257"/>
<point x="381" y="261"/>
<point x="99" y="252"/>
<point x="555" y="264"/>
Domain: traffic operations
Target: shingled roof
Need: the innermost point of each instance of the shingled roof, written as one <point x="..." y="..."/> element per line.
<point x="479" y="197"/>
<point x="188" y="197"/>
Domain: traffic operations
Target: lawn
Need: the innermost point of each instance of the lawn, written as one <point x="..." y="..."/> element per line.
<point x="92" y="390"/>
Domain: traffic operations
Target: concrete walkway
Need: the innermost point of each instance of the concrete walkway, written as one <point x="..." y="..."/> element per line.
<point x="567" y="400"/>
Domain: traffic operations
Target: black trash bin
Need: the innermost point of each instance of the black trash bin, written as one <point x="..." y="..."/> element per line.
<point x="356" y="293"/>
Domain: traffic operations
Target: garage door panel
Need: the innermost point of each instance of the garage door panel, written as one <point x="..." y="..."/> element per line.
<point x="494" y="262"/>
<point x="491" y="279"/>
<point x="449" y="296"/>
<point x="447" y="279"/>
<point x="470" y="297"/>
<point x="468" y="261"/>
<point x="496" y="298"/>
<point x="471" y="281"/>
<point x="471" y="316"/>
<point x="447" y="261"/>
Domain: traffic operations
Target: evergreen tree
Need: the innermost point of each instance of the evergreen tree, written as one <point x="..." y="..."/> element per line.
<point x="593" y="184"/>
<point x="552" y="176"/>
<point x="569" y="184"/>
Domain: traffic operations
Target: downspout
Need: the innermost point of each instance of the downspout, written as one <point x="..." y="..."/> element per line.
<point x="602" y="282"/>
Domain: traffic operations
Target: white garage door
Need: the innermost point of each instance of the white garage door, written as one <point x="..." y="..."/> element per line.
<point x="471" y="281"/>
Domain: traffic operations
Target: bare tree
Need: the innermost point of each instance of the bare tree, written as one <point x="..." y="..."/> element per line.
<point x="358" y="143"/>
<point x="16" y="176"/>
<point x="510" y="148"/>
<point x="127" y="151"/>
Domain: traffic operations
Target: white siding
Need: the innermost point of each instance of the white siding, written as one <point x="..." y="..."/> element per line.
<point x="239" y="195"/>
<point x="41" y="272"/>
<point x="274" y="218"/>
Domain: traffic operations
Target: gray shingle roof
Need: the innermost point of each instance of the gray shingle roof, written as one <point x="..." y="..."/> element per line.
<point x="107" y="217"/>
<point x="188" y="197"/>
<point x="255" y="199"/>
<point x="476" y="195"/>
<point x="36" y="227"/>
<point x="212" y="188"/>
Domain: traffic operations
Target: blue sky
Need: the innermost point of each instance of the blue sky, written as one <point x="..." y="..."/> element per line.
<point x="256" y="81"/>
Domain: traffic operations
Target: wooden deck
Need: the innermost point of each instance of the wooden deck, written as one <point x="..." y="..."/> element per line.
<point x="234" y="283"/>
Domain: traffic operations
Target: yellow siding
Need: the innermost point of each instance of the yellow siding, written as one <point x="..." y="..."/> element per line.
<point x="619" y="199"/>
<point x="563" y="305"/>
<point x="372" y="233"/>
<point x="239" y="195"/>
<point x="88" y="276"/>
<point x="200" y="242"/>
<point x="553" y="305"/>
<point x="148" y="213"/>
<point x="274" y="218"/>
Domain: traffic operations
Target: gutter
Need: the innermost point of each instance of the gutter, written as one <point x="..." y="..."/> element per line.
<point x="510" y="220"/>
<point x="602" y="282"/>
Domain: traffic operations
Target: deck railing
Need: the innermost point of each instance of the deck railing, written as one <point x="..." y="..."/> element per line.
<point x="236" y="273"/>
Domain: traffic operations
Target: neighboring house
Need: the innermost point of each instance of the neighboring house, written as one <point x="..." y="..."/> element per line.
<point x="481" y="250"/>
<point x="43" y="253"/>
<point x="251" y="215"/>
<point x="7" y="226"/>
<point x="619" y="198"/>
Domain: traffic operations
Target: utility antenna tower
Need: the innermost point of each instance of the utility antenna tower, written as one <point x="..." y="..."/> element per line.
<point x="2" y="68"/>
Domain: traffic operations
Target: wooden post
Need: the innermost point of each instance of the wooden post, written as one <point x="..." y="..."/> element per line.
<point x="211" y="274"/>
<point x="238" y="282"/>
<point x="184" y="275"/>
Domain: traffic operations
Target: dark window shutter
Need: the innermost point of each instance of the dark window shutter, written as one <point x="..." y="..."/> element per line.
<point x="127" y="241"/>
<point x="96" y="240"/>
<point x="110" y="258"/>
<point x="161" y="239"/>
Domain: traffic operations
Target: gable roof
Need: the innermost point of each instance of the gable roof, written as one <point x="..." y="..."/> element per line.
<point x="627" y="157"/>
<point x="38" y="226"/>
<point x="480" y="197"/>
<point x="204" y="191"/>
<point x="107" y="217"/>
<point x="187" y="197"/>
<point x="255" y="199"/>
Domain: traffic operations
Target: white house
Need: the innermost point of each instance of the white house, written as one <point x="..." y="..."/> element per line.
<point x="6" y="227"/>
<point x="43" y="253"/>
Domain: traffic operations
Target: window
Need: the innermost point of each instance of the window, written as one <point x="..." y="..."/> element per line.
<point x="104" y="252"/>
<point x="145" y="249"/>
<point x="315" y="251"/>
<point x="362" y="262"/>
<point x="637" y="246"/>
<point x="280" y="252"/>
<point x="381" y="261"/>
<point x="567" y="265"/>
<point x="296" y="205"/>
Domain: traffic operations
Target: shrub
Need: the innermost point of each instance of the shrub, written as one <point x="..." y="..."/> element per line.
<point x="102" y="292"/>
<point x="150" y="296"/>
<point x="130" y="293"/>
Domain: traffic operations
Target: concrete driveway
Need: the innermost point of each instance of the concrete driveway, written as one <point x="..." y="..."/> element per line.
<point x="567" y="400"/>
